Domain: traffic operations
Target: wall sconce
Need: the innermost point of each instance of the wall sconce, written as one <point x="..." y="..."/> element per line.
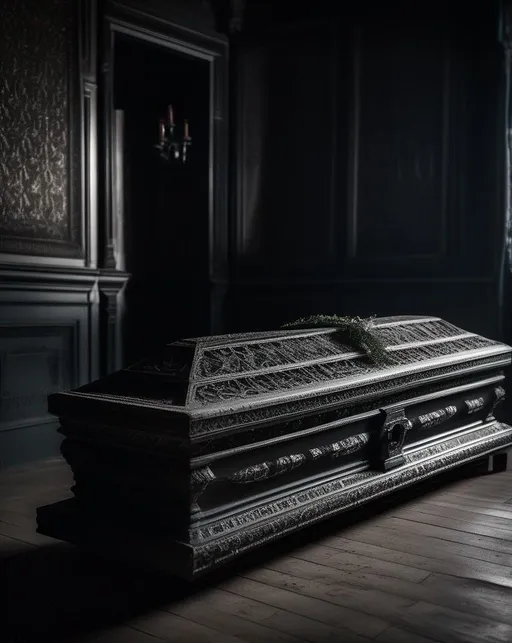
<point x="170" y="146"/>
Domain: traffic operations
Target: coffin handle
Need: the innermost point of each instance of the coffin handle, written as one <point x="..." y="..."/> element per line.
<point x="394" y="431"/>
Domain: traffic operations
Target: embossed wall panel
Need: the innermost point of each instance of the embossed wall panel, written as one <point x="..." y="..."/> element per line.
<point x="39" y="128"/>
<point x="401" y="153"/>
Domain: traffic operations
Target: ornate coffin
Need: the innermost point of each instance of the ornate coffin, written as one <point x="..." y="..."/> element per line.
<point x="221" y="444"/>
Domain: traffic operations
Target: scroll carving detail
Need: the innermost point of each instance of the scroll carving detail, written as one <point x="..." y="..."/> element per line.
<point x="35" y="43"/>
<point x="284" y="464"/>
<point x="435" y="418"/>
<point x="473" y="406"/>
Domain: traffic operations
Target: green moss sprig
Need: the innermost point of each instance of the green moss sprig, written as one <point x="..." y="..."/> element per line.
<point x="356" y="331"/>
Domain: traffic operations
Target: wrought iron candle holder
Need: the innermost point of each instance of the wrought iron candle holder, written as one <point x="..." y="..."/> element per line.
<point x="170" y="145"/>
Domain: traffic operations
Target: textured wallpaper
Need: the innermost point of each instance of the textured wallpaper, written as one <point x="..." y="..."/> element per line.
<point x="34" y="134"/>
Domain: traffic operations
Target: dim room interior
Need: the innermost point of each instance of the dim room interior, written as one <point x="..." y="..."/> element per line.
<point x="254" y="324"/>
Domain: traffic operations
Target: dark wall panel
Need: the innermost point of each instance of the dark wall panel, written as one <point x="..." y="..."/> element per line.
<point x="194" y="14"/>
<point x="44" y="347"/>
<point x="370" y="152"/>
<point x="401" y="151"/>
<point x="50" y="284"/>
<point x="39" y="139"/>
<point x="287" y="114"/>
<point x="471" y="305"/>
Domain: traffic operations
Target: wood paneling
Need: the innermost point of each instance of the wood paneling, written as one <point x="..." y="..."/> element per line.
<point x="34" y="361"/>
<point x="41" y="142"/>
<point x="401" y="153"/>
<point x="287" y="116"/>
<point x="267" y="305"/>
<point x="47" y="343"/>
<point x="193" y="14"/>
<point x="369" y="159"/>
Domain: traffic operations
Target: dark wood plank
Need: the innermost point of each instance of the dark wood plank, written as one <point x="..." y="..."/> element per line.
<point x="174" y="628"/>
<point x="498" y="481"/>
<point x="450" y="534"/>
<point x="499" y="511"/>
<point x="455" y="565"/>
<point x="250" y="631"/>
<point x="467" y="526"/>
<point x="419" y="617"/>
<point x="370" y="602"/>
<point x="25" y="534"/>
<point x="283" y="620"/>
<point x="416" y="544"/>
<point x="350" y="563"/>
<point x="313" y="607"/>
<point x="484" y="600"/>
<point x="12" y="546"/>
<point x="398" y="635"/>
<point x="449" y="626"/>
<point x="493" y="497"/>
<point x="459" y="515"/>
<point x="121" y="634"/>
<point x="17" y="518"/>
<point x="485" y="594"/>
<point x="471" y="501"/>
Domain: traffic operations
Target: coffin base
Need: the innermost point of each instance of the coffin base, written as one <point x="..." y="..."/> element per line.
<point x="221" y="540"/>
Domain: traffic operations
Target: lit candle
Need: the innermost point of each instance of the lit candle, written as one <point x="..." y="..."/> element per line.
<point x="185" y="130"/>
<point x="171" y="115"/>
<point x="162" y="131"/>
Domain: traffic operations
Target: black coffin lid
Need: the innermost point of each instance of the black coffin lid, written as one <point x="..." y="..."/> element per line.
<point x="204" y="387"/>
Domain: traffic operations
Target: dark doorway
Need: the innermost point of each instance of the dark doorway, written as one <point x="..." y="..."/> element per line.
<point x="165" y="209"/>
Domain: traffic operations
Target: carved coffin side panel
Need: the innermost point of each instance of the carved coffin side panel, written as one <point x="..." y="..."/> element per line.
<point x="216" y="543"/>
<point x="284" y="464"/>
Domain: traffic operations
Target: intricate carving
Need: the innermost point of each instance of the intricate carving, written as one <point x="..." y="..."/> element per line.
<point x="37" y="154"/>
<point x="148" y="440"/>
<point x="300" y="437"/>
<point x="284" y="464"/>
<point x="341" y="367"/>
<point x="266" y="470"/>
<point x="327" y="499"/>
<point x="499" y="396"/>
<point x="475" y="405"/>
<point x="251" y="356"/>
<point x="392" y="438"/>
<point x="262" y="355"/>
<point x="365" y="391"/>
<point x="343" y="447"/>
<point x="435" y="418"/>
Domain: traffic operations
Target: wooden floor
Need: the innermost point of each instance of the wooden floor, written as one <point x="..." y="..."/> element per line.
<point x="434" y="564"/>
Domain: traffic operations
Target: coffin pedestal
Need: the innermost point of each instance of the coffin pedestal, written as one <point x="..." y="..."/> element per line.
<point x="222" y="444"/>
